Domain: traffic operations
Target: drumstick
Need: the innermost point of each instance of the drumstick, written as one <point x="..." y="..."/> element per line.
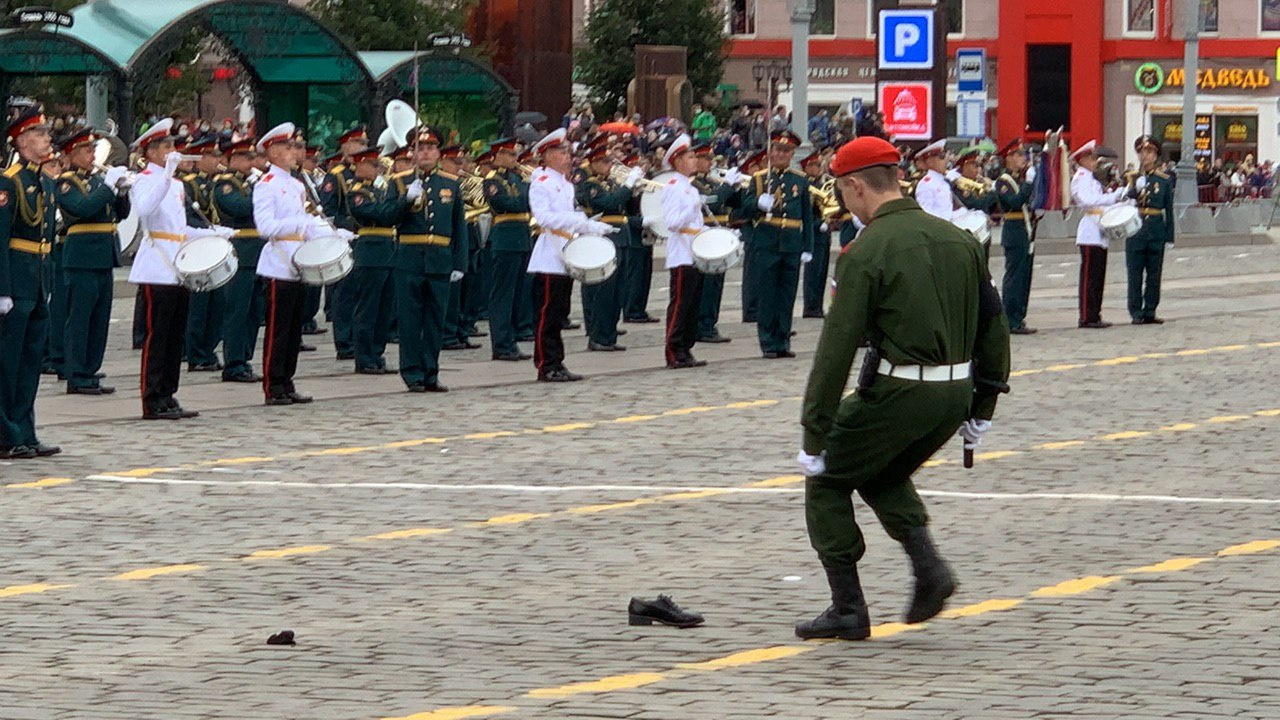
<point x="968" y="455"/>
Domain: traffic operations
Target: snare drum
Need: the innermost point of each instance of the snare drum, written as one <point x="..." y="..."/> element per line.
<point x="975" y="221"/>
<point x="716" y="249"/>
<point x="590" y="259"/>
<point x="128" y="235"/>
<point x="206" y="263"/>
<point x="323" y="260"/>
<point x="1120" y="223"/>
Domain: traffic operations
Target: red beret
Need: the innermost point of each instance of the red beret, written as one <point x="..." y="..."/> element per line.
<point x="863" y="153"/>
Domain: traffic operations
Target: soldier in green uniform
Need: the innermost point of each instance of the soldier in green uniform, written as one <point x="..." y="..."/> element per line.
<point x="457" y="330"/>
<point x="598" y="194"/>
<point x="334" y="204"/>
<point x="916" y="288"/>
<point x="1017" y="236"/>
<point x="825" y="208"/>
<point x="25" y="207"/>
<point x="510" y="244"/>
<point x="207" y="309"/>
<point x="977" y="193"/>
<point x="245" y="306"/>
<point x="479" y="279"/>
<point x="1144" y="252"/>
<point x="743" y="219"/>
<point x="778" y="199"/>
<point x="91" y="205"/>
<point x="432" y="256"/>
<point x="636" y="265"/>
<point x="717" y="210"/>
<point x="54" y="356"/>
<point x="375" y="208"/>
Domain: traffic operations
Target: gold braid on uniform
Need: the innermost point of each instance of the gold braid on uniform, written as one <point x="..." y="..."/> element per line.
<point x="33" y="218"/>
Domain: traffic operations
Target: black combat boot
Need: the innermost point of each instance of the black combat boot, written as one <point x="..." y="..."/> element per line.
<point x="934" y="583"/>
<point x="847" y="617"/>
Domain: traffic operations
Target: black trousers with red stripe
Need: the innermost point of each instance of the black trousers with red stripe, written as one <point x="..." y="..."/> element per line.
<point x="551" y="297"/>
<point x="1093" y="276"/>
<point x="682" y="312"/>
<point x="164" y="322"/>
<point x="286" y="310"/>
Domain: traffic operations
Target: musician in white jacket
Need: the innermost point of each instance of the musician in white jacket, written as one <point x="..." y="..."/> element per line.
<point x="551" y="200"/>
<point x="280" y="214"/>
<point x="933" y="191"/>
<point x="683" y="213"/>
<point x="1087" y="193"/>
<point x="158" y="199"/>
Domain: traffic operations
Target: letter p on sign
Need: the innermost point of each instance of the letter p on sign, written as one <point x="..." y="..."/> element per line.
<point x="904" y="36"/>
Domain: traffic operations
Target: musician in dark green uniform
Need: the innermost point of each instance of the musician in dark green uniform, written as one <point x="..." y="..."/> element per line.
<point x="916" y="288"/>
<point x="1144" y="252"/>
<point x="25" y="207"/>
<point x="333" y="203"/>
<point x="825" y="208"/>
<point x="1017" y="236"/>
<point x="54" y="356"/>
<point x="716" y="194"/>
<point x="742" y="218"/>
<point x="637" y="263"/>
<point x="977" y="193"/>
<point x="599" y="194"/>
<point x="510" y="244"/>
<point x="245" y="306"/>
<point x="376" y="209"/>
<point x="91" y="205"/>
<point x="457" y="328"/>
<point x="779" y="202"/>
<point x="205" y="314"/>
<point x="432" y="256"/>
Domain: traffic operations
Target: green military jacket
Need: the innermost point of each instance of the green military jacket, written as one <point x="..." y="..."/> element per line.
<point x="917" y="288"/>
<point x="233" y="203"/>
<point x="25" y="212"/>
<point x="717" y="197"/>
<point x="196" y="189"/>
<point x="433" y="231"/>
<point x="635" y="223"/>
<point x="90" y="210"/>
<point x="333" y="196"/>
<point x="375" y="210"/>
<point x="1155" y="204"/>
<point x="984" y="201"/>
<point x="789" y="227"/>
<point x="1013" y="197"/>
<point x="602" y="196"/>
<point x="508" y="195"/>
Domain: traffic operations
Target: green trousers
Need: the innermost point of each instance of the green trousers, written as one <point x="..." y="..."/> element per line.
<point x="815" y="274"/>
<point x="245" y="308"/>
<point x="775" y="276"/>
<point x="1144" y="256"/>
<point x="204" y="325"/>
<point x="510" y="300"/>
<point x="22" y="345"/>
<point x="880" y="437"/>
<point x="88" y="320"/>
<point x="371" y="321"/>
<point x="55" y="352"/>
<point x="602" y="305"/>
<point x="709" y="305"/>
<point x="342" y="310"/>
<point x="421" y="301"/>
<point x="1016" y="288"/>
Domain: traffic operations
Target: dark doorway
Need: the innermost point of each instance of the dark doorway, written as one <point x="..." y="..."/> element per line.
<point x="1048" y="87"/>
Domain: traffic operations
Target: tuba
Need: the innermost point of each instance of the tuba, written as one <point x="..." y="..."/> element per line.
<point x="825" y="198"/>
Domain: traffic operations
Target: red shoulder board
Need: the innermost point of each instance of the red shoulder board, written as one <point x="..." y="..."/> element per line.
<point x="672" y="181"/>
<point x="147" y="171"/>
<point x="267" y="177"/>
<point x="543" y="178"/>
<point x="927" y="178"/>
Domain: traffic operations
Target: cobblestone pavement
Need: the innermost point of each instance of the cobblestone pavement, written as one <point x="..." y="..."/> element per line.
<point x="471" y="555"/>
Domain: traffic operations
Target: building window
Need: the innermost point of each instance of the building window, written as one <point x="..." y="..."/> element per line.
<point x="1209" y="16"/>
<point x="742" y="17"/>
<point x="823" y="21"/>
<point x="1270" y="15"/>
<point x="955" y="16"/>
<point x="1140" y="16"/>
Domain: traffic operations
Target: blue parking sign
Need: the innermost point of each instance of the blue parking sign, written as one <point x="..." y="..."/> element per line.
<point x="906" y="39"/>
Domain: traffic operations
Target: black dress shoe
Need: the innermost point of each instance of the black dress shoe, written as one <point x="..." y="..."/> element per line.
<point x="475" y="332"/>
<point x="17" y="452"/>
<point x="597" y="347"/>
<point x="1022" y="330"/>
<point x="1153" y="320"/>
<point x="771" y="355"/>
<point x="43" y="450"/>
<point x="279" y="400"/>
<point x="525" y="338"/>
<point x="298" y="398"/>
<point x="1135" y="321"/>
<point x="622" y="331"/>
<point x="663" y="610"/>
<point x="570" y="325"/>
<point x="686" y="363"/>
<point x="306" y="348"/>
<point x="717" y="338"/>
<point x="513" y="357"/>
<point x="641" y="320"/>
<point x="99" y="375"/>
<point x="417" y="387"/>
<point x="1099" y="325"/>
<point x="242" y="378"/>
<point x="814" y="315"/>
<point x="314" y="330"/>
<point x="346" y="356"/>
<point x="162" y="414"/>
<point x="370" y="371"/>
<point x="72" y="390"/>
<point x="204" y="367"/>
<point x="464" y="345"/>
<point x="435" y="387"/>
<point x="786" y="354"/>
<point x="553" y="376"/>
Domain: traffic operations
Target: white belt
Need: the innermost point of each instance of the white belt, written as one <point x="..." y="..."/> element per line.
<point x="926" y="373"/>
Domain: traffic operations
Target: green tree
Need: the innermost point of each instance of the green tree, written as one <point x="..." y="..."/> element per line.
<point x="391" y="24"/>
<point x="607" y="64"/>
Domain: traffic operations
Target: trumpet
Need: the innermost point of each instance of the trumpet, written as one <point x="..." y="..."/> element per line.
<point x="619" y="173"/>
<point x="123" y="183"/>
<point x="825" y="197"/>
<point x="973" y="187"/>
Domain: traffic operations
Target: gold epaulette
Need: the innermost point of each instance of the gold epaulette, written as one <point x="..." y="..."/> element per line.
<point x="13" y="170"/>
<point x="447" y="176"/>
<point x="338" y="168"/>
<point x="403" y="174"/>
<point x="793" y="171"/>
<point x="1161" y="174"/>
<point x="759" y="173"/>
<point x="492" y="174"/>
<point x="223" y="176"/>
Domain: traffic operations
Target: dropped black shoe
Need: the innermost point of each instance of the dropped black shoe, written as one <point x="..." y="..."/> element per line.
<point x="284" y="637"/>
<point x="17" y="452"/>
<point x="934" y="583"/>
<point x="306" y="348"/>
<point x="598" y="347"/>
<point x="298" y="398"/>
<point x="847" y="618"/>
<point x="1022" y="330"/>
<point x="664" y="610"/>
<point x="204" y="367"/>
<point x="43" y="450"/>
<point x="717" y="338"/>
<point x="242" y="378"/>
<point x="513" y="357"/>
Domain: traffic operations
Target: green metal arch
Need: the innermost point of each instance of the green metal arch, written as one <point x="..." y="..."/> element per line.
<point x="27" y="52"/>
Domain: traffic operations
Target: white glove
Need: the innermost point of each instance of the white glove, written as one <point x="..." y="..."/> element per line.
<point x="344" y="234"/>
<point x="812" y="464"/>
<point x="650" y="221"/>
<point x="6" y="304"/>
<point x="765" y="203"/>
<point x="414" y="191"/>
<point x="806" y="258"/>
<point x="824" y="227"/>
<point x="171" y="162"/>
<point x="952" y="174"/>
<point x="595" y="227"/>
<point x="633" y="177"/>
<point x="114" y="175"/>
<point x="973" y="430"/>
<point x="225" y="233"/>
<point x="1031" y="174"/>
<point x="455" y="276"/>
<point x="1142" y="183"/>
<point x="734" y="176"/>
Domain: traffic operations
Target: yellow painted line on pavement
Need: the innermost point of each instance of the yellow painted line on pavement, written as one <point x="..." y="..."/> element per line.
<point x="1227" y="418"/>
<point x="42" y="483"/>
<point x="32" y="589"/>
<point x="1179" y="427"/>
<point x="488" y="435"/>
<point x="404" y="534"/>
<point x="1122" y="360"/>
<point x="147" y="573"/>
<point x="238" y="461"/>
<point x="512" y="519"/>
<point x="1062" y="445"/>
<point x="688" y="411"/>
<point x="1125" y="435"/>
<point x="1268" y="413"/>
<point x="755" y="656"/>
<point x="1065" y="367"/>
<point x="780" y="481"/>
<point x="414" y="443"/>
<point x="607" y="507"/>
<point x="287" y="552"/>
<point x="567" y="427"/>
<point x="635" y="418"/>
<point x="459" y="713"/>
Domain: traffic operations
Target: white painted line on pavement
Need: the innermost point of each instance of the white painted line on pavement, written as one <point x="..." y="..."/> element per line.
<point x="1106" y="497"/>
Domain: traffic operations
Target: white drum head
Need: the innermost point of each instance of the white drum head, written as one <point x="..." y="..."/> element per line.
<point x="1118" y="216"/>
<point x="320" y="251"/>
<point x="590" y="252"/>
<point x="715" y="243"/>
<point x="975" y="221"/>
<point x="201" y="254"/>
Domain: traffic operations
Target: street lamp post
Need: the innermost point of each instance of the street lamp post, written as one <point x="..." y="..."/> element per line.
<point x="767" y="75"/>
<point x="1186" y="192"/>
<point x="801" y="15"/>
